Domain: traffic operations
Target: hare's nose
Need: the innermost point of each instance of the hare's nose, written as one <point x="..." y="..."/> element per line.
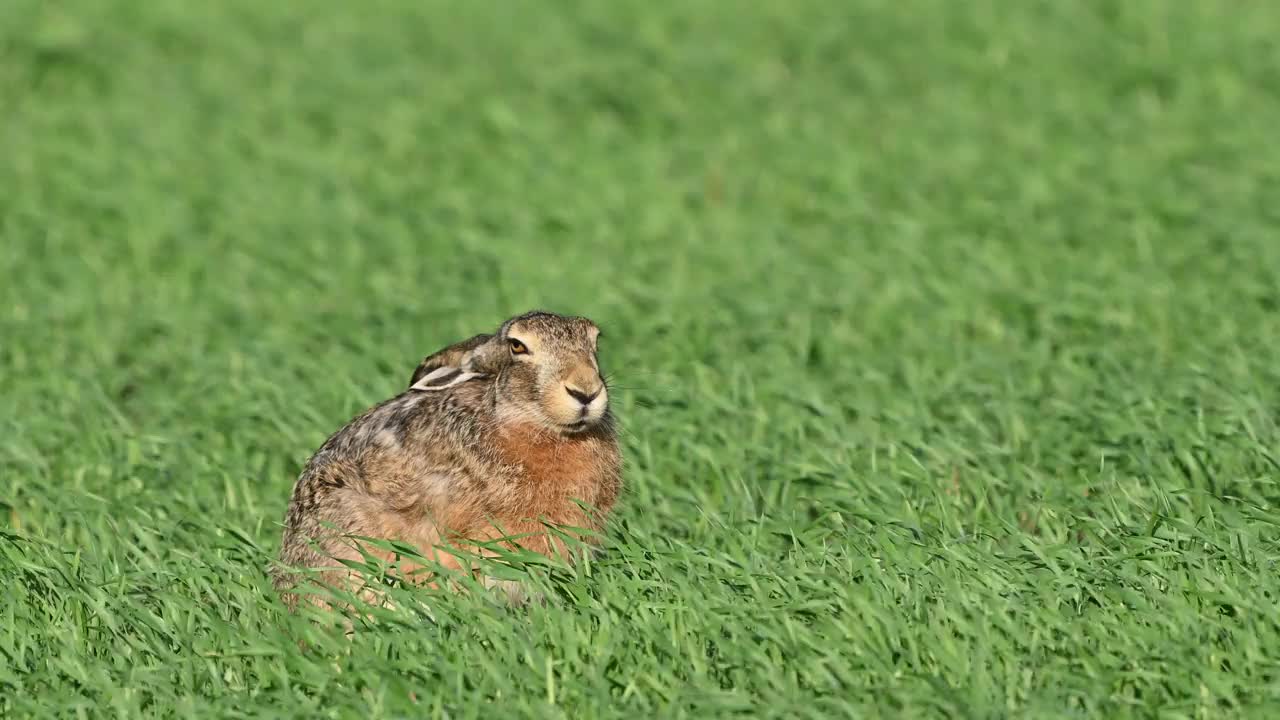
<point x="582" y="397"/>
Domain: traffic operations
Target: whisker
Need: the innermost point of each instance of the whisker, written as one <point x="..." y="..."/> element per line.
<point x="611" y="381"/>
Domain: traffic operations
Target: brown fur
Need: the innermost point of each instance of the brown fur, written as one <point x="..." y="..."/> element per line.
<point x="486" y="459"/>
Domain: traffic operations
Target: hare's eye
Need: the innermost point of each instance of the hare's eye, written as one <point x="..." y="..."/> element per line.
<point x="517" y="347"/>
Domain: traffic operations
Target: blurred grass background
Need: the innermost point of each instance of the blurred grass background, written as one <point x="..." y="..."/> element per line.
<point x="946" y="338"/>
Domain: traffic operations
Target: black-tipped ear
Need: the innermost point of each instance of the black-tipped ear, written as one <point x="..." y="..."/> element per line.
<point x="453" y="356"/>
<point x="422" y="370"/>
<point x="436" y="378"/>
<point x="442" y="378"/>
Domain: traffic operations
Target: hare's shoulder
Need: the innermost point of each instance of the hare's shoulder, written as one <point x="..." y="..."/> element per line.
<point x="413" y="415"/>
<point x="393" y="415"/>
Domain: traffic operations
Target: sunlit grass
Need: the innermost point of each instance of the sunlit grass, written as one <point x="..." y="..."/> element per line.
<point x="944" y="340"/>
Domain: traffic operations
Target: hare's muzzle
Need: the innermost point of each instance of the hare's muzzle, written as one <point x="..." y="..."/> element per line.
<point x="584" y="398"/>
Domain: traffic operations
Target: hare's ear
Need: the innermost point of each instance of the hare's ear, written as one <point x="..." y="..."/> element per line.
<point x="430" y="370"/>
<point x="443" y="377"/>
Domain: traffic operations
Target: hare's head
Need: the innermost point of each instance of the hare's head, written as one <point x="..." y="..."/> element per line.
<point x="547" y="371"/>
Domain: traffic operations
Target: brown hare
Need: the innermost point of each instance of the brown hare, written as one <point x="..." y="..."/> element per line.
<point x="494" y="436"/>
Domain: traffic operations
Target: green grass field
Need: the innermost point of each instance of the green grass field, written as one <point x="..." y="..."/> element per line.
<point x="946" y="340"/>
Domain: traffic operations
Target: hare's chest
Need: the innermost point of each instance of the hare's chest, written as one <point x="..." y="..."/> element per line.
<point x="551" y="473"/>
